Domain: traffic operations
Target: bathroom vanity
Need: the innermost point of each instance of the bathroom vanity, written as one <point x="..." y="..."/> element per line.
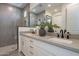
<point x="34" y="45"/>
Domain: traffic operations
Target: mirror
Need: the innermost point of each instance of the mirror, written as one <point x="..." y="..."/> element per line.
<point x="48" y="18"/>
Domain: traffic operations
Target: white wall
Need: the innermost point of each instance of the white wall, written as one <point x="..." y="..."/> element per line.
<point x="57" y="19"/>
<point x="73" y="19"/>
<point x="64" y="17"/>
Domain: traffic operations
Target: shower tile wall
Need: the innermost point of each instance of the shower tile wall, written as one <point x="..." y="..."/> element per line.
<point x="9" y="20"/>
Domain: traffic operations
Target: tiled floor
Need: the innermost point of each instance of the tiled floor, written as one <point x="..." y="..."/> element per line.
<point x="10" y="51"/>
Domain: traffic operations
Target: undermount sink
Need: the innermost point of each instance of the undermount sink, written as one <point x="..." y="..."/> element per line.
<point x="60" y="40"/>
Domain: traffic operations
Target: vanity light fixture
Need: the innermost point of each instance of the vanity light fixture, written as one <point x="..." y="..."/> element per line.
<point x="25" y="13"/>
<point x="55" y="10"/>
<point x="10" y="8"/>
<point x="49" y="5"/>
<point x="48" y="20"/>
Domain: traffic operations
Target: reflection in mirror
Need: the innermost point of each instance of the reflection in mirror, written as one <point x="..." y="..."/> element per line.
<point x="48" y="18"/>
<point x="62" y="14"/>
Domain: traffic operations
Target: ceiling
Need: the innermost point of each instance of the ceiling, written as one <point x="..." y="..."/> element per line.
<point x="56" y="7"/>
<point x="19" y="5"/>
<point x="44" y="6"/>
<point x="39" y="7"/>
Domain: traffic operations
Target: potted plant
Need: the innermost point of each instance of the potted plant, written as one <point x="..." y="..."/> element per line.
<point x="56" y="26"/>
<point x="50" y="27"/>
<point x="42" y="31"/>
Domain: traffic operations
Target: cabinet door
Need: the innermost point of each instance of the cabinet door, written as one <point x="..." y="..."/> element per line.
<point x="34" y="47"/>
<point x="24" y="45"/>
<point x="20" y="43"/>
<point x="36" y="51"/>
<point x="54" y="50"/>
<point x="33" y="50"/>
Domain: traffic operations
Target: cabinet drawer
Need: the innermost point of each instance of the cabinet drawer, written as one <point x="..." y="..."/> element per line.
<point x="36" y="51"/>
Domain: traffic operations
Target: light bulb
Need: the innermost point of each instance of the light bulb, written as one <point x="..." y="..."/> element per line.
<point x="49" y="5"/>
<point x="10" y="8"/>
<point x="55" y="10"/>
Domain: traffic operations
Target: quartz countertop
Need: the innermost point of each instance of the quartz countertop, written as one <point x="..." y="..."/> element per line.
<point x="74" y="46"/>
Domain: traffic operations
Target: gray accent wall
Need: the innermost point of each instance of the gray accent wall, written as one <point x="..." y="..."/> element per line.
<point x="27" y="17"/>
<point x="9" y="20"/>
<point x="33" y="19"/>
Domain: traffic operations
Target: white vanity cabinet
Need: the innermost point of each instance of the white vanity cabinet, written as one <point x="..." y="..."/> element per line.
<point x="54" y="50"/>
<point x="36" y="47"/>
<point x="29" y="48"/>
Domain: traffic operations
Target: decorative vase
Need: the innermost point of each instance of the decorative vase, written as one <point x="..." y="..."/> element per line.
<point x="42" y="32"/>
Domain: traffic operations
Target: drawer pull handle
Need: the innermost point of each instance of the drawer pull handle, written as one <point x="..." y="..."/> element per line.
<point x="31" y="47"/>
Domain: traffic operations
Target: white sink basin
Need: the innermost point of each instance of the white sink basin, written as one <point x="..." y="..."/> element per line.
<point x="60" y="40"/>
